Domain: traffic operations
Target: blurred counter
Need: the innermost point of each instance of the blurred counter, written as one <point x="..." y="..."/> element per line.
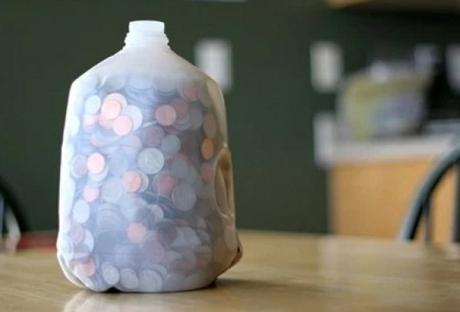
<point x="332" y="150"/>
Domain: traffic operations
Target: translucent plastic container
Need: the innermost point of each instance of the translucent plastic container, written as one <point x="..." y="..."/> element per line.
<point x="146" y="192"/>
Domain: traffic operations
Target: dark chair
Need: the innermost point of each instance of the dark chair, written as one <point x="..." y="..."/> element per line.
<point x="8" y="225"/>
<point x="421" y="204"/>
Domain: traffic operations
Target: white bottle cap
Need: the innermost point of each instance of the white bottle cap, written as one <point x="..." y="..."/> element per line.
<point x="146" y="33"/>
<point x="147" y="26"/>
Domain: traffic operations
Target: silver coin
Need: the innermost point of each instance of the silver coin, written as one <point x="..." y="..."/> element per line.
<point x="135" y="114"/>
<point x="187" y="238"/>
<point x="145" y="182"/>
<point x="112" y="190"/>
<point x="194" y="280"/>
<point x="118" y="163"/>
<point x="179" y="168"/>
<point x="196" y="118"/>
<point x="184" y="123"/>
<point x="150" y="281"/>
<point x="88" y="241"/>
<point x="99" y="177"/>
<point x="81" y="211"/>
<point x="78" y="166"/>
<point x="130" y="205"/>
<point x="108" y="219"/>
<point x="110" y="274"/>
<point x="170" y="145"/>
<point x="128" y="279"/>
<point x="184" y="197"/>
<point x="150" y="160"/>
<point x="192" y="175"/>
<point x="174" y="281"/>
<point x="92" y="105"/>
<point x="157" y="212"/>
<point x="160" y="269"/>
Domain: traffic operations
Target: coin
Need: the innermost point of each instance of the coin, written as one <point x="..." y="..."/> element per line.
<point x="78" y="167"/>
<point x="92" y="104"/>
<point x="86" y="268"/>
<point x="166" y="115"/>
<point x="181" y="108"/>
<point x="110" y="274"/>
<point x="164" y="183"/>
<point x="112" y="190"/>
<point x="95" y="163"/>
<point x="150" y="281"/>
<point x="183" y="197"/>
<point x="128" y="279"/>
<point x="81" y="211"/>
<point x="196" y="118"/>
<point x="207" y="172"/>
<point x="132" y="181"/>
<point x="122" y="125"/>
<point x="136" y="232"/>
<point x="112" y="106"/>
<point x="207" y="149"/>
<point x="152" y="135"/>
<point x="179" y="168"/>
<point x="150" y="160"/>
<point x="135" y="115"/>
<point x="90" y="193"/>
<point x="170" y="145"/>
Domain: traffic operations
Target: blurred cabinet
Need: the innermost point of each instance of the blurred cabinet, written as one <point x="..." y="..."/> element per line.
<point x="371" y="198"/>
<point x="427" y="5"/>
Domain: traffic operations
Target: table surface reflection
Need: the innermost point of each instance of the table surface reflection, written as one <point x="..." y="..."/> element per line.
<point x="278" y="272"/>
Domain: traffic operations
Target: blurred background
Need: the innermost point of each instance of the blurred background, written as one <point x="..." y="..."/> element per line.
<point x="336" y="109"/>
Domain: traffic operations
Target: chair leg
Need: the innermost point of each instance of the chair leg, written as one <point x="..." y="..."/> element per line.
<point x="427" y="219"/>
<point x="456" y="212"/>
<point x="411" y="222"/>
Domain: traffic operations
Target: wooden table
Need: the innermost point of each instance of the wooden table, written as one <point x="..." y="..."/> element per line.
<point x="278" y="272"/>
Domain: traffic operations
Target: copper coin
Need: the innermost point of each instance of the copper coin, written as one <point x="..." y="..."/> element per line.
<point x="166" y="115"/>
<point x="90" y="193"/>
<point x="136" y="232"/>
<point x="112" y="105"/>
<point x="122" y="125"/>
<point x="132" y="181"/>
<point x="153" y="135"/>
<point x="207" y="172"/>
<point x="95" y="163"/>
<point x="207" y="149"/>
<point x="181" y="108"/>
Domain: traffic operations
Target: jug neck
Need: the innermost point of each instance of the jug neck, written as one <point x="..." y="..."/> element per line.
<point x="146" y="34"/>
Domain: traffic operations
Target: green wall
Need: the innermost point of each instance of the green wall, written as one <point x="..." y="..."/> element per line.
<point x="45" y="44"/>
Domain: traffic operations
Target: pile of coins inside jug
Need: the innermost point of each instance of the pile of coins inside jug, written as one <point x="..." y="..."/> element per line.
<point x="141" y="212"/>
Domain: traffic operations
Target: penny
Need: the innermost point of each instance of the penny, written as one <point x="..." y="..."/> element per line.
<point x="166" y="115"/>
<point x="207" y="149"/>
